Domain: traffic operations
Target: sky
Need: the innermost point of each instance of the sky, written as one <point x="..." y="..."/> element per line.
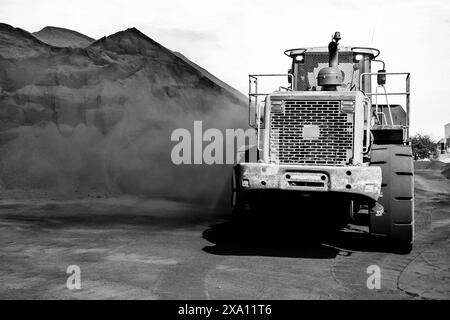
<point x="234" y="38"/>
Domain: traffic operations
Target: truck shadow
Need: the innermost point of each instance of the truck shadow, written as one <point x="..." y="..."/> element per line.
<point x="290" y="238"/>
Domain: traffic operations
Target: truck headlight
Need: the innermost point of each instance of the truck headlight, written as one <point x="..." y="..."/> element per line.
<point x="277" y="106"/>
<point x="348" y="106"/>
<point x="358" y="57"/>
<point x="300" y="58"/>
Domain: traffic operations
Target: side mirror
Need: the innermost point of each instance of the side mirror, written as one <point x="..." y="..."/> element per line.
<point x="381" y="77"/>
<point x="289" y="78"/>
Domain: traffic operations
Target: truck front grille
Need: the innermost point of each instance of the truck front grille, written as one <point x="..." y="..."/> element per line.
<point x="334" y="144"/>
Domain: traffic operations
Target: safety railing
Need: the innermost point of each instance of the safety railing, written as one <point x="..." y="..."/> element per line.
<point x="254" y="95"/>
<point x="406" y="93"/>
<point x="254" y="99"/>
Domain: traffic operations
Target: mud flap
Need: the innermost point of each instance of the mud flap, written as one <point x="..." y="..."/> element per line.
<point x="379" y="221"/>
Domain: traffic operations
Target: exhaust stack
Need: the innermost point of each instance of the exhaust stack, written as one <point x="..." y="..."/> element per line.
<point x="331" y="77"/>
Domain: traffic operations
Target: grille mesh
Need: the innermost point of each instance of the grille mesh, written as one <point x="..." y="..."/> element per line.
<point x="332" y="147"/>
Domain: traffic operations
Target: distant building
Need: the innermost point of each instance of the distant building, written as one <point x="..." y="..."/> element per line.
<point x="443" y="146"/>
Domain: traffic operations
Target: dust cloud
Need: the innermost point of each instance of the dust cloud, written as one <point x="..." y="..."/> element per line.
<point x="97" y="122"/>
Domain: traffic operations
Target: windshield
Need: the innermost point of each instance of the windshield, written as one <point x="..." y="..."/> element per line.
<point x="306" y="72"/>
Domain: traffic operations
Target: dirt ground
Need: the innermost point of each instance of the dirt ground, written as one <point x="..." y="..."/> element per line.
<point x="129" y="248"/>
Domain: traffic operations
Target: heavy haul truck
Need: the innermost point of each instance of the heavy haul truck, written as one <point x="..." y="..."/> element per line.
<point x="326" y="138"/>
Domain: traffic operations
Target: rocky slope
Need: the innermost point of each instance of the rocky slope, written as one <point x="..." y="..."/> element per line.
<point x="60" y="37"/>
<point x="98" y="120"/>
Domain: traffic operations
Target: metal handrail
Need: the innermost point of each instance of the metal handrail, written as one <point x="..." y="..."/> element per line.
<point x="387" y="102"/>
<point x="258" y="124"/>
<point x="407" y="93"/>
<point x="367" y="105"/>
<point x="270" y="75"/>
<point x="376" y="60"/>
<point x="255" y="95"/>
<point x="388" y="94"/>
<point x="383" y="115"/>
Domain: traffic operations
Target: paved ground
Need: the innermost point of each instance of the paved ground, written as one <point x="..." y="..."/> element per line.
<point x="135" y="249"/>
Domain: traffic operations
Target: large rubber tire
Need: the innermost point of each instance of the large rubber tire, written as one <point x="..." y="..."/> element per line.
<point x="397" y="221"/>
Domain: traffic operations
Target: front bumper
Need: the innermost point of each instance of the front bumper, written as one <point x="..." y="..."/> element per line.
<point x="358" y="181"/>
